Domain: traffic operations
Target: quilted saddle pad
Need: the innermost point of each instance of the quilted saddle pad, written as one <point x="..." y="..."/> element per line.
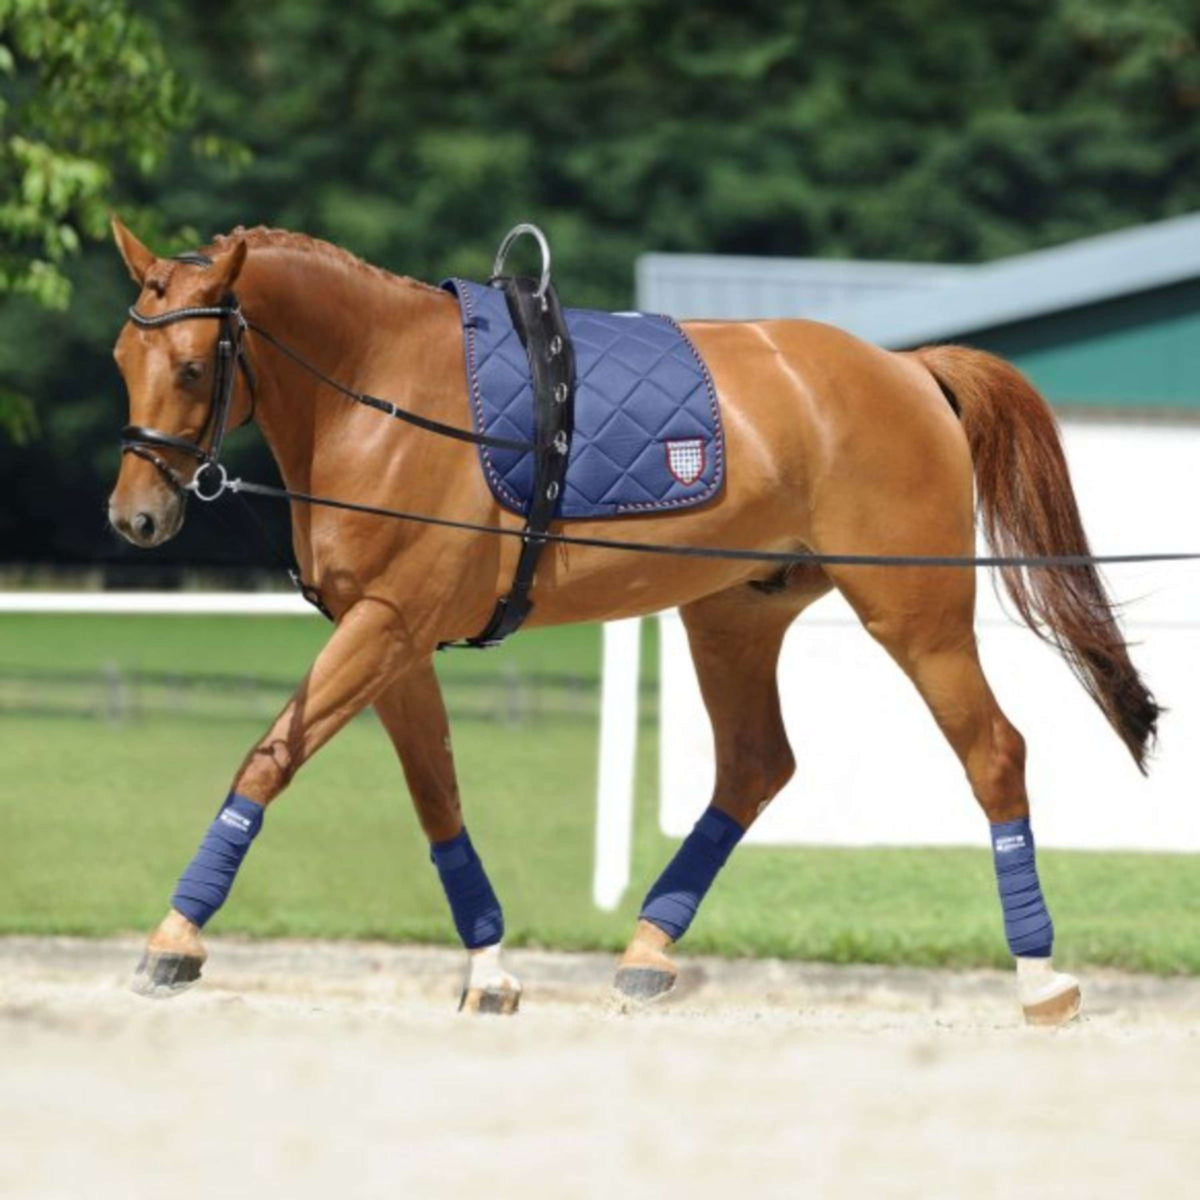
<point x="647" y="434"/>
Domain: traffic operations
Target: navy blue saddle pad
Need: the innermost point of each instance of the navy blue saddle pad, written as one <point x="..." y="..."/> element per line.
<point x="647" y="433"/>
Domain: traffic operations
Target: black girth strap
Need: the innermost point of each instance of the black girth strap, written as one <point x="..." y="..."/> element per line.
<point x="539" y="322"/>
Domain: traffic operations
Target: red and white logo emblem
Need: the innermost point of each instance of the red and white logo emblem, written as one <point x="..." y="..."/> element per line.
<point x="685" y="459"/>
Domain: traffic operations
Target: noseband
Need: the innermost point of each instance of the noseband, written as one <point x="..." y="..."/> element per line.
<point x="210" y="478"/>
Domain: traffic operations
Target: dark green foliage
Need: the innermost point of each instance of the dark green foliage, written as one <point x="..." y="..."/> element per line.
<point x="418" y="131"/>
<point x="414" y="132"/>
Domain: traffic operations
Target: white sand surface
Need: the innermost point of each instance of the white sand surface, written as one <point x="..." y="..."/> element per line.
<point x="341" y="1070"/>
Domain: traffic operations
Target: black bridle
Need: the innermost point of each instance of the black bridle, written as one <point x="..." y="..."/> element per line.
<point x="145" y="442"/>
<point x="231" y="357"/>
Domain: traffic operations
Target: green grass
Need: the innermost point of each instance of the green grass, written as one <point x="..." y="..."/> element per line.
<point x="116" y="753"/>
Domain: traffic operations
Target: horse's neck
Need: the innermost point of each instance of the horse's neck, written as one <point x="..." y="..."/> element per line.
<point x="352" y="325"/>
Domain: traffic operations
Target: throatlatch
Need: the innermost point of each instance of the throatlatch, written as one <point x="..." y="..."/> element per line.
<point x="538" y="320"/>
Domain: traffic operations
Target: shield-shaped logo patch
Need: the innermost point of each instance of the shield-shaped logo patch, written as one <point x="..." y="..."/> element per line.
<point x="685" y="459"/>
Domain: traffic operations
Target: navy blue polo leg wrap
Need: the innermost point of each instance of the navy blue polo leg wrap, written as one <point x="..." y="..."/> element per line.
<point x="672" y="901"/>
<point x="477" y="914"/>
<point x="204" y="886"/>
<point x="1027" y="923"/>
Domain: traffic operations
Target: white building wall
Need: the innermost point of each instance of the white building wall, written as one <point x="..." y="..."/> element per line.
<point x="873" y="768"/>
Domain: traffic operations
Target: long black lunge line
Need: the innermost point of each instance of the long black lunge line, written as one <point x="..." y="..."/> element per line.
<point x="550" y="466"/>
<point x="782" y="557"/>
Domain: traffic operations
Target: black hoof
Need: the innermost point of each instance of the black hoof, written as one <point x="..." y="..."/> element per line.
<point x="160" y="976"/>
<point x="643" y="983"/>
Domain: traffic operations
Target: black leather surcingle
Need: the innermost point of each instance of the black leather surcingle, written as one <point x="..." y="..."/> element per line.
<point x="538" y="319"/>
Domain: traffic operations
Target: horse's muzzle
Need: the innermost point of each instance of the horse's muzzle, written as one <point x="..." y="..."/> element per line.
<point x="147" y="525"/>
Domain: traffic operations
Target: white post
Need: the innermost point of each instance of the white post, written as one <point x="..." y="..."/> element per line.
<point x="618" y="753"/>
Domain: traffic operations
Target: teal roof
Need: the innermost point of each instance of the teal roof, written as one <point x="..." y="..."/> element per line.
<point x="1079" y="274"/>
<point x="1106" y="322"/>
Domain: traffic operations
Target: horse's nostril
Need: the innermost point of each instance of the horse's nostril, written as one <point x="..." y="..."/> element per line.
<point x="143" y="526"/>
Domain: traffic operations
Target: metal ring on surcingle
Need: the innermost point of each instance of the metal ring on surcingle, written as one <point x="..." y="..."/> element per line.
<point x="511" y="236"/>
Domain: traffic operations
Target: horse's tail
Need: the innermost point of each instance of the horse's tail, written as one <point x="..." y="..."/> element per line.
<point x="1028" y="508"/>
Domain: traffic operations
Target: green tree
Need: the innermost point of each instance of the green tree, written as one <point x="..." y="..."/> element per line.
<point x="85" y="91"/>
<point x="414" y="132"/>
<point x="87" y="88"/>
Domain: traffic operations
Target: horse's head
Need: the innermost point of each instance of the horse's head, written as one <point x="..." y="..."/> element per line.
<point x="175" y="383"/>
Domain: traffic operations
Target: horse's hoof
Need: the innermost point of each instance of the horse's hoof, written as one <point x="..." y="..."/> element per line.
<point x="489" y="988"/>
<point x="160" y="976"/>
<point x="1055" y="1010"/>
<point x="498" y="1001"/>
<point x="645" y="973"/>
<point x="1047" y="996"/>
<point x="643" y="985"/>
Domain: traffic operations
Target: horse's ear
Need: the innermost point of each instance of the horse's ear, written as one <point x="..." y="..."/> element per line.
<point x="226" y="267"/>
<point x="138" y="258"/>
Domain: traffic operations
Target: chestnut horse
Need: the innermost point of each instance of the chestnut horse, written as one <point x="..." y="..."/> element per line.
<point x="833" y="445"/>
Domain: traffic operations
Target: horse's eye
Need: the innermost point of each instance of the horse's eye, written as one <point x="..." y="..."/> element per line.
<point x="190" y="372"/>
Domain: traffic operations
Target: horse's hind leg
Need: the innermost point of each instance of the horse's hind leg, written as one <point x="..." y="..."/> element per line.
<point x="735" y="639"/>
<point x="924" y="619"/>
<point x="414" y="716"/>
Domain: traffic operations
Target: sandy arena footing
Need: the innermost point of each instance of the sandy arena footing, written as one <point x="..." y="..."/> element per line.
<point x="341" y="1070"/>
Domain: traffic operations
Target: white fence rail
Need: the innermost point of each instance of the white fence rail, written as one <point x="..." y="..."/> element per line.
<point x="873" y="769"/>
<point x="246" y="604"/>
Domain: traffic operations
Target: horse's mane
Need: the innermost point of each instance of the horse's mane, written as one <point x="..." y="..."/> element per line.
<point x="303" y="243"/>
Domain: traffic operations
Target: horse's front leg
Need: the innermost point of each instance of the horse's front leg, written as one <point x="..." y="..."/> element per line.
<point x="414" y="716"/>
<point x="369" y="647"/>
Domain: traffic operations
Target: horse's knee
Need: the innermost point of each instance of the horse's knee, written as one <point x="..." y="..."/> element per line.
<point x="997" y="772"/>
<point x="267" y="770"/>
